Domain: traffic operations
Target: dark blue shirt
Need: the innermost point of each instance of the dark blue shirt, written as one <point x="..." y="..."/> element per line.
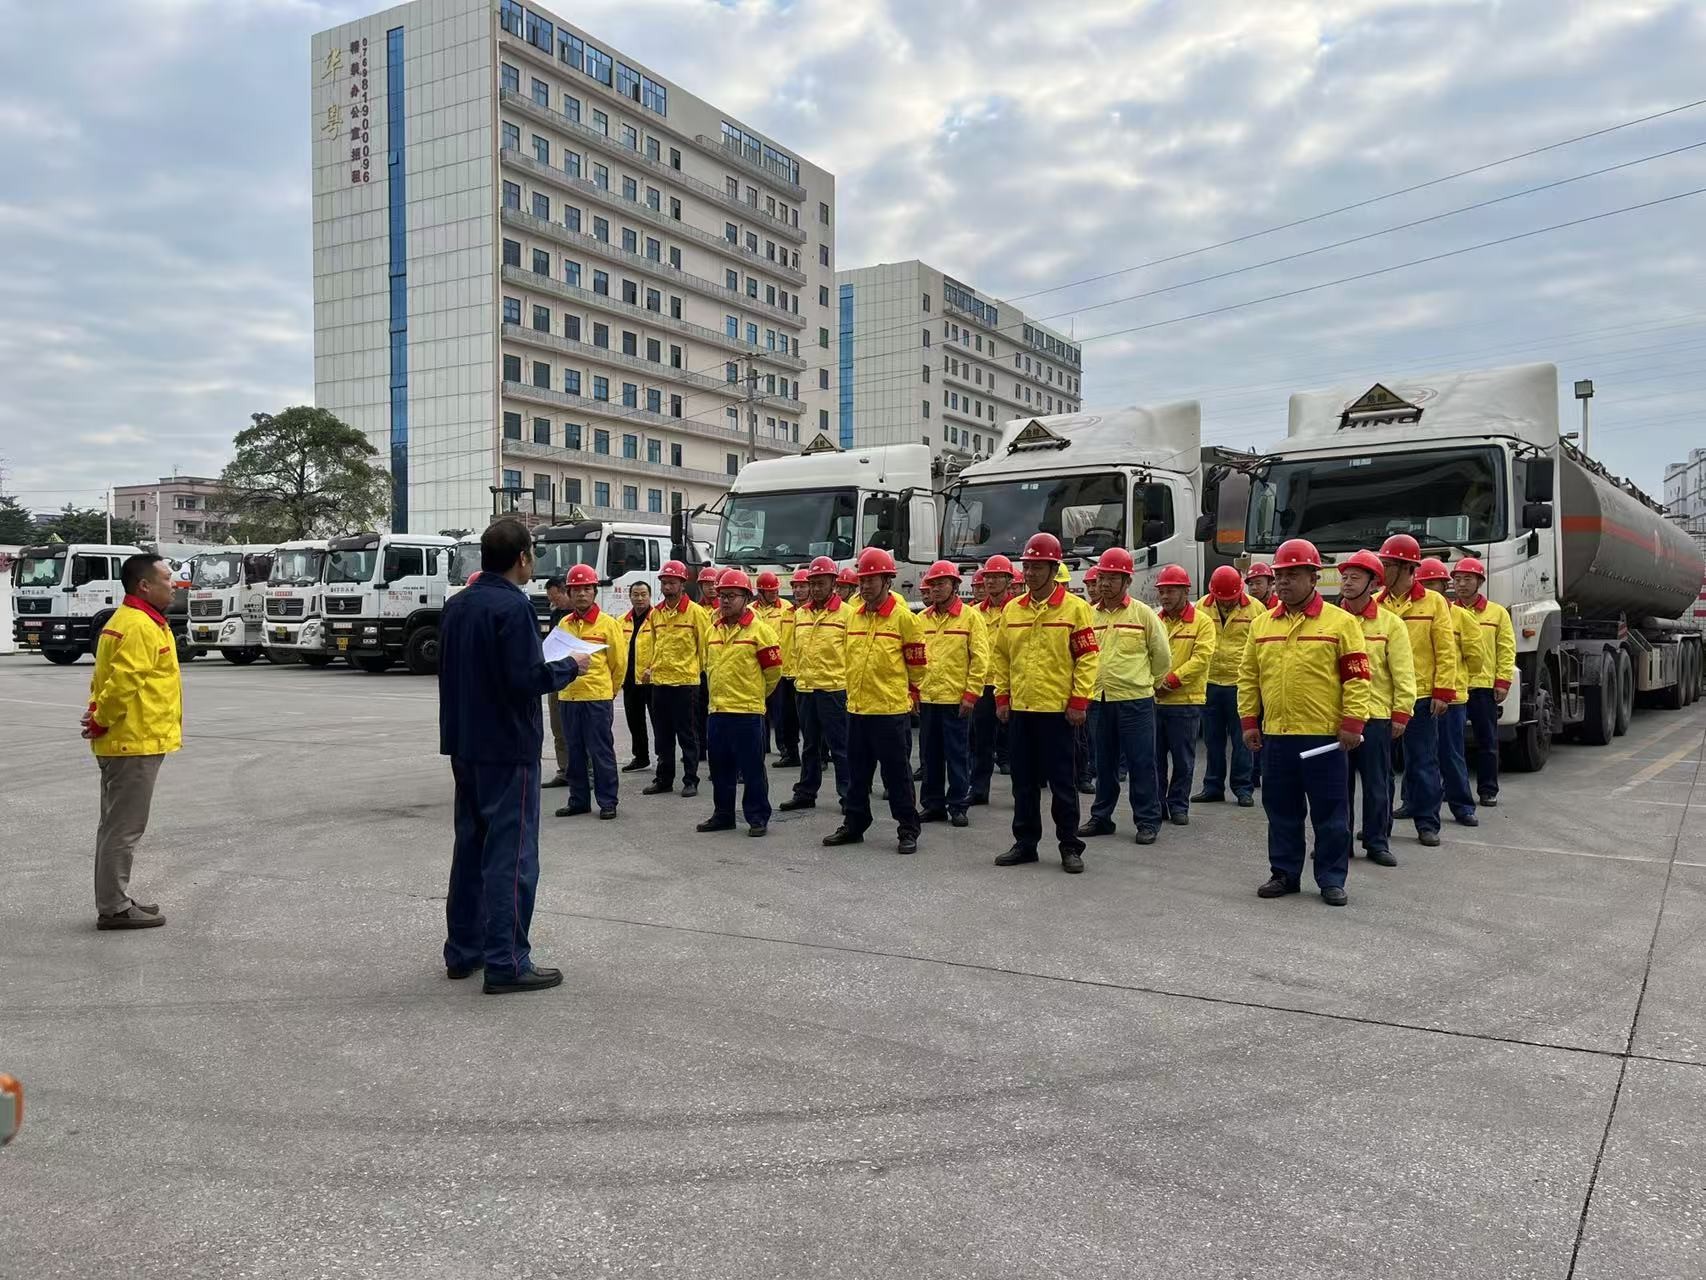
<point x="492" y="673"/>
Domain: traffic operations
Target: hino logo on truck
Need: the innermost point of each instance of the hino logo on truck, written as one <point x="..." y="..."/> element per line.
<point x="1380" y="405"/>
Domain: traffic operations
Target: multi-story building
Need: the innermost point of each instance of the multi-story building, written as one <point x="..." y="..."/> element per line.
<point x="1685" y="487"/>
<point x="542" y="269"/>
<point x="175" y="508"/>
<point x="922" y="357"/>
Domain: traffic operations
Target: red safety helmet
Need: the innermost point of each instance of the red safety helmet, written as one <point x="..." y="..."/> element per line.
<point x="977" y="577"/>
<point x="1091" y="574"/>
<point x="1000" y="564"/>
<point x="1432" y="570"/>
<point x="1297" y="553"/>
<point x="708" y="576"/>
<point x="821" y="566"/>
<point x="1364" y="559"/>
<point x="1115" y="560"/>
<point x="1043" y="548"/>
<point x="943" y="569"/>
<point x="802" y="576"/>
<point x="1469" y="564"/>
<point x="1172" y="575"/>
<point x="767" y="581"/>
<point x="874" y="560"/>
<point x="847" y="578"/>
<point x="582" y="575"/>
<point x="673" y="569"/>
<point x="735" y="580"/>
<point x="1401" y="546"/>
<point x="1225" y="584"/>
<point x="1260" y="569"/>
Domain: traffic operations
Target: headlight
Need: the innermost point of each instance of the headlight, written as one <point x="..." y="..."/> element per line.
<point x="310" y="631"/>
<point x="231" y="628"/>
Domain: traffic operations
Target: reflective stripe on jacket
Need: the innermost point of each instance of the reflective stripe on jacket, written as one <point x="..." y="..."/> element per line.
<point x="820" y="646"/>
<point x="1192" y="638"/>
<point x="679" y="634"/>
<point x="135" y="694"/>
<point x="1045" y="657"/>
<point x="1305" y="672"/>
<point x="1391" y="670"/>
<point x="956" y="644"/>
<point x="885" y="658"/>
<point x="1433" y="640"/>
<point x="1230" y="635"/>
<point x="603" y="676"/>
<point x="1132" y="652"/>
<point x="743" y="663"/>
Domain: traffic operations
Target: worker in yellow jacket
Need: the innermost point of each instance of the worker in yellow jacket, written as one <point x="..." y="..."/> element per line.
<point x="636" y="695"/>
<point x="134" y="721"/>
<point x="1392" y="696"/>
<point x="1433" y="647"/>
<point x="680" y="631"/>
<point x="1303" y="696"/>
<point x="1454" y="728"/>
<point x="1181" y="692"/>
<point x="1132" y="653"/>
<point x="1044" y="656"/>
<point x="781" y="721"/>
<point x="588" y="704"/>
<point x="820" y="684"/>
<point x="992" y="584"/>
<point x="743" y="669"/>
<point x="1230" y="610"/>
<point x="956" y="648"/>
<point x="1492" y="684"/>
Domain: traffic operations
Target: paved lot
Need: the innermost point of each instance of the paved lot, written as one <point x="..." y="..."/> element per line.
<point x="775" y="1060"/>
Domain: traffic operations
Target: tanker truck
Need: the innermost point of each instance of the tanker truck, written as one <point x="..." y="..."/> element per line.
<point x="1474" y="464"/>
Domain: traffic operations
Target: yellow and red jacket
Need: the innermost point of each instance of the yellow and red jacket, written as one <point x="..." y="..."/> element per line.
<point x="743" y="662"/>
<point x="1498" y="644"/>
<point x="1230" y="635"/>
<point x="1132" y="652"/>
<point x="1472" y="659"/>
<point x="680" y="633"/>
<point x="643" y="642"/>
<point x="956" y="646"/>
<point x="1305" y="673"/>
<point x="991" y="611"/>
<point x="1191" y="636"/>
<point x="1044" y="655"/>
<point x="1391" y="670"/>
<point x="1433" y="639"/>
<point x="600" y="681"/>
<point x="780" y="619"/>
<point x="885" y="658"/>
<point x="136" y="703"/>
<point x="820" y="646"/>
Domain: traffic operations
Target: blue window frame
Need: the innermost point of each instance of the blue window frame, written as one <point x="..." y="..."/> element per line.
<point x="572" y="107"/>
<point x="601" y="440"/>
<point x="541" y="93"/>
<point x="541" y="318"/>
<point x="509" y="78"/>
<point x="540" y="33"/>
<point x="571" y="217"/>
<point x="630" y="240"/>
<point x="571" y="489"/>
<point x="601" y="391"/>
<point x="630" y="190"/>
<point x="601" y="229"/>
<point x="654" y="96"/>
<point x="512" y="310"/>
<point x="630" y="399"/>
<point x="627" y="81"/>
<point x="654" y="401"/>
<point x="572" y="435"/>
<point x="541" y="150"/>
<point x="572" y="163"/>
<point x="601" y="282"/>
<point x="630" y="498"/>
<point x="511" y="137"/>
<point x="512" y="17"/>
<point x="654" y="452"/>
<point x="731" y="280"/>
<point x="752" y="335"/>
<point x="541" y="262"/>
<point x="572" y="384"/>
<point x="572" y="328"/>
<point x="598" y="64"/>
<point x="512" y="195"/>
<point x="541" y="206"/>
<point x="731" y="324"/>
<point x="654" y="500"/>
<point x="572" y="273"/>
<point x="601" y="493"/>
<point x="570" y="49"/>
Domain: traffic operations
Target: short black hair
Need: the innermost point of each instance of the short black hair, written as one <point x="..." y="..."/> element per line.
<point x="135" y="569"/>
<point x="556" y="582"/>
<point x="502" y="544"/>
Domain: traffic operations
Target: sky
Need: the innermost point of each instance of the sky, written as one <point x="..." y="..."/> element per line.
<point x="155" y="285"/>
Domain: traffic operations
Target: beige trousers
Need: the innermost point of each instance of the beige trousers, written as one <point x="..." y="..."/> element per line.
<point x="127" y="792"/>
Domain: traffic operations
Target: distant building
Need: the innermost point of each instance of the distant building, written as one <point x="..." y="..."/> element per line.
<point x="174" y="509"/>
<point x="1685" y="487"/>
<point x="924" y="358"/>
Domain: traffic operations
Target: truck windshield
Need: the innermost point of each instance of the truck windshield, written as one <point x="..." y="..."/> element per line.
<point x="1086" y="512"/>
<point x="352" y="566"/>
<point x="216" y="571"/>
<point x="39" y="573"/>
<point x="770" y="528"/>
<point x="1343" y="503"/>
<point x="552" y="558"/>
<point x="297" y="568"/>
<point x="464" y="562"/>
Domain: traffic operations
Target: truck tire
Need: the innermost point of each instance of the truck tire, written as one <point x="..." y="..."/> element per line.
<point x="61" y="657"/>
<point x="317" y="659"/>
<point x="420" y="651"/>
<point x="239" y="657"/>
<point x="1673" y="698"/>
<point x="1599" y="724"/>
<point x="374" y="665"/>
<point x="1529" y="751"/>
<point x="1625" y="693"/>
<point x="1693" y="681"/>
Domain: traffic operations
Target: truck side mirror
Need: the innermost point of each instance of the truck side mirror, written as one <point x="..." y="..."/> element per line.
<point x="1537" y="515"/>
<point x="1205" y="528"/>
<point x="1537" y="484"/>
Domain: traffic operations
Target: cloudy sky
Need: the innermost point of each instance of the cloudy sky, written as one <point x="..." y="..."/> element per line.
<point x="154" y="217"/>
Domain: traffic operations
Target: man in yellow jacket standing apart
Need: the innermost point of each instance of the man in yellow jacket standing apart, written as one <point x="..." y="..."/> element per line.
<point x="679" y="631"/>
<point x="1180" y="693"/>
<point x="1492" y="684"/>
<point x="1305" y="682"/>
<point x="743" y="666"/>
<point x="1392" y="699"/>
<point x="134" y="721"/>
<point x="588" y="705"/>
<point x="956" y="645"/>
<point x="1433" y="648"/>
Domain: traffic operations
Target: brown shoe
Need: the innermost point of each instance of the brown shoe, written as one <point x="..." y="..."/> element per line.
<point x="135" y="916"/>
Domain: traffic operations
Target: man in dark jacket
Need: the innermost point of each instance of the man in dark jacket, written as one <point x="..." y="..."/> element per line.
<point x="491" y="675"/>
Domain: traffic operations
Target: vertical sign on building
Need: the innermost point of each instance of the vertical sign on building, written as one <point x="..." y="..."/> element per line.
<point x="397" y="215"/>
<point x="844" y="401"/>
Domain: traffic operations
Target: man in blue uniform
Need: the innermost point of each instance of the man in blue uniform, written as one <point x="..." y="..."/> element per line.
<point x="491" y="675"/>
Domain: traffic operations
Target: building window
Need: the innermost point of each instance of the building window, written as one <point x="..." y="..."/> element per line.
<point x="654" y="300"/>
<point x="511" y="16"/>
<point x="654" y="350"/>
<point x="572" y="384"/>
<point x="601" y="229"/>
<point x="675" y="257"/>
<point x="541" y="150"/>
<point x="572" y="273"/>
<point x="572" y="107"/>
<point x="540" y="33"/>
<point x="654" y="249"/>
<point x="653" y="151"/>
<point x="572" y="435"/>
<point x="927" y="337"/>
<point x="512" y="426"/>
<point x="654" y="451"/>
<point x="731" y="463"/>
<point x="823" y="419"/>
<point x="630" y="498"/>
<point x="731" y="326"/>
<point x="509" y="78"/>
<point x="674" y="159"/>
<point x="542" y="318"/>
<point x="630" y="443"/>
<point x="630" y="343"/>
<point x="631" y="190"/>
<point x="542" y="93"/>
<point x="675" y="406"/>
<point x="570" y="49"/>
<point x="675" y="356"/>
<point x="512" y="371"/>
<point x="511" y="137"/>
<point x="572" y="489"/>
<point x="601" y="177"/>
<point x="752" y="335"/>
<point x="601" y="282"/>
<point x="925" y="408"/>
<point x="600" y="335"/>
<point x="731" y="233"/>
<point x="751" y="242"/>
<point x="675" y="208"/>
<point x="571" y="163"/>
<point x="823" y="255"/>
<point x="654" y="401"/>
<point x="823" y="213"/>
<point x="653" y="96"/>
<point x="598" y="64"/>
<point x="541" y="262"/>
<point x="541" y="373"/>
<point x="542" y="431"/>
<point x="601" y="493"/>
<point x="542" y="482"/>
<point x="654" y="501"/>
<point x="630" y="400"/>
<point x="512" y="310"/>
<point x="630" y="293"/>
<point x="654" y="198"/>
<point x="630" y="137"/>
<point x="541" y="206"/>
<point x="927" y="302"/>
<point x="823" y="338"/>
<point x="512" y="195"/>
<point x="571" y="217"/>
<point x="601" y="391"/>
<point x="601" y="440"/>
<point x="512" y="480"/>
<point x="752" y="286"/>
<point x="926" y="373"/>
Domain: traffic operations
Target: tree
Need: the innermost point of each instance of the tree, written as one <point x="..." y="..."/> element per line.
<point x="302" y="473"/>
<point x="16" y="526"/>
<point x="89" y="524"/>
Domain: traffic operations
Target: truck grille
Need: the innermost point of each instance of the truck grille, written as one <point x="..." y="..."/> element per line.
<point x="284" y="608"/>
<point x="343" y="604"/>
<point x="27" y="605"/>
<point x="206" y="608"/>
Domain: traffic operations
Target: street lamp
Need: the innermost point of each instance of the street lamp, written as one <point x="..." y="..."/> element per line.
<point x="1584" y="393"/>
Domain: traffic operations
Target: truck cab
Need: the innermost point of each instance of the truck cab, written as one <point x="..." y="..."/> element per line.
<point x="63" y="593"/>
<point x="464" y="564"/>
<point x="384" y="594"/>
<point x="622" y="553"/>
<point x="295" y="624"/>
<point x="1137" y="478"/>
<point x="227" y="600"/>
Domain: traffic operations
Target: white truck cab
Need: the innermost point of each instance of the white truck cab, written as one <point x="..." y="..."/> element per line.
<point x="63" y="592"/>
<point x="227" y="597"/>
<point x="384" y="594"/>
<point x="295" y="624"/>
<point x="622" y="553"/>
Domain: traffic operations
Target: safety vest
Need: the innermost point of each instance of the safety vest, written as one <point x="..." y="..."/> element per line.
<point x="600" y="681"/>
<point x="679" y="635"/>
<point x="1473" y="665"/>
<point x="1498" y="644"/>
<point x="1433" y="639"/>
<point x="1391" y="670"/>
<point x="956" y="644"/>
<point x="1045" y="655"/>
<point x="743" y="662"/>
<point x="135" y="693"/>
<point x="1306" y="672"/>
<point x="1230" y="635"/>
<point x="1132" y="652"/>
<point x="885" y="658"/>
<point x="820" y="646"/>
<point x="1192" y="637"/>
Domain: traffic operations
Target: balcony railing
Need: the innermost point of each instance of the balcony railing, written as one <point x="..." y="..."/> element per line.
<point x="627" y="155"/>
<point x="611" y="462"/>
<point x="730" y="155"/>
<point x="585" y="405"/>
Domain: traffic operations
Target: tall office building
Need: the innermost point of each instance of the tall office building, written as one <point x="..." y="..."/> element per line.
<point x="542" y="268"/>
<point x="922" y="357"/>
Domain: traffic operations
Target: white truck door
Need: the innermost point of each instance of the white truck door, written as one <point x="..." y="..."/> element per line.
<point x="405" y="578"/>
<point x="94" y="585"/>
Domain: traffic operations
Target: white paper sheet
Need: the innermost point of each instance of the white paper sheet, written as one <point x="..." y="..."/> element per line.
<point x="560" y="644"/>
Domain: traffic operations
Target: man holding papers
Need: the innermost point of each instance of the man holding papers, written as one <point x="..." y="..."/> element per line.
<point x="588" y="704"/>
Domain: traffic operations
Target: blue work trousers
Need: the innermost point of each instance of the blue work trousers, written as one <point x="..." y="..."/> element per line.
<point x="988" y="743"/>
<point x="1372" y="764"/>
<point x="1453" y="762"/>
<point x="1123" y="730"/>
<point x="1316" y="789"/>
<point x="782" y="720"/>
<point x="880" y="743"/>
<point x="1484" y="718"/>
<point x="589" y="735"/>
<point x="944" y="749"/>
<point x="1176" y="754"/>
<point x="1421" y="766"/>
<point x="1220" y="728"/>
<point x="735" y="750"/>
<point x="1040" y="743"/>
<point x="823" y="730"/>
<point x="494" y="869"/>
<point x="675" y="716"/>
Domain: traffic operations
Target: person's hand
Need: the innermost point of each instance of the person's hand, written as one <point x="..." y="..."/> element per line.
<point x="1499" y="695"/>
<point x="1398" y="729"/>
<point x="1349" y="740"/>
<point x="646" y="676"/>
<point x="1076" y="716"/>
<point x="582" y="661"/>
<point x="1438" y="706"/>
<point x="1253" y="739"/>
<point x="967" y="709"/>
<point x="1001" y="713"/>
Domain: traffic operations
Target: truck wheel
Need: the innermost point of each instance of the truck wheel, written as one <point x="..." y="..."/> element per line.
<point x="1599" y="724"/>
<point x="317" y="659"/>
<point x="1692" y="683"/>
<point x="1673" y="698"/>
<point x="1529" y="751"/>
<point x="61" y="657"/>
<point x="239" y="657"/>
<point x="1625" y="693"/>
<point x="420" y="651"/>
<point x="374" y="664"/>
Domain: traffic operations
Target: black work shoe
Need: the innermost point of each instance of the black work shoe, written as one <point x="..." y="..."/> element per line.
<point x="1095" y="827"/>
<point x="134" y="916"/>
<point x="1179" y="819"/>
<point x="636" y="765"/>
<point x="978" y="800"/>
<point x="1429" y="838"/>
<point x="1277" y="886"/>
<point x="918" y="774"/>
<point x="1145" y="835"/>
<point x="958" y="820"/>
<point x="1209" y="797"/>
<point x="1490" y="802"/>
<point x="796" y="803"/>
<point x="787" y="762"/>
<point x="1072" y="863"/>
<point x="716" y="824"/>
<point x="605" y="815"/>
<point x="532" y="980"/>
<point x="1334" y="895"/>
<point x="757" y="829"/>
<point x="1246" y="801"/>
<point x="460" y="972"/>
<point x="841" y="836"/>
<point x="1382" y="858"/>
<point x="906" y="844"/>
<point x="1086" y="787"/>
<point x="1014" y="856"/>
<point x="573" y="810"/>
<point x="1001" y="768"/>
<point x="933" y="815"/>
<point x="1466" y="819"/>
<point x="658" y="789"/>
<point x="689" y="790"/>
<point x="561" y="780"/>
<point x="1400" y="814"/>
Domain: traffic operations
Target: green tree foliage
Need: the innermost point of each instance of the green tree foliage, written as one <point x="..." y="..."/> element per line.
<point x="302" y="473"/>
<point x="79" y="524"/>
<point x="16" y="526"/>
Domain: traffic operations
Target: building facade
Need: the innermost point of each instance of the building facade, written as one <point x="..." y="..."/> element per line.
<point x="174" y="509"/>
<point x="545" y="275"/>
<point x="923" y="357"/>
<point x="1685" y="487"/>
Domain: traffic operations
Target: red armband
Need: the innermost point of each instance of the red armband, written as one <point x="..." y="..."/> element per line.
<point x="914" y="654"/>
<point x="1354" y="666"/>
<point x="770" y="656"/>
<point x="1083" y="642"/>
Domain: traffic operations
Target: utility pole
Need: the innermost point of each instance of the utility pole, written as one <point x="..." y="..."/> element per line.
<point x="156" y="515"/>
<point x="751" y="411"/>
<point x="109" y="517"/>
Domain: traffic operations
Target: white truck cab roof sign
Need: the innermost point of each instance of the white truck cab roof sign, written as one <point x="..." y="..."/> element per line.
<point x="1164" y="437"/>
<point x="1520" y="401"/>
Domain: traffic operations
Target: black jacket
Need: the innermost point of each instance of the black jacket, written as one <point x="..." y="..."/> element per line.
<point x="491" y="674"/>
